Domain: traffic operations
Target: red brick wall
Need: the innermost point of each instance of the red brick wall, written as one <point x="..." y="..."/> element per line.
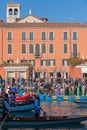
<point x="58" y="47"/>
<point x="2" y="72"/>
<point x="75" y="72"/>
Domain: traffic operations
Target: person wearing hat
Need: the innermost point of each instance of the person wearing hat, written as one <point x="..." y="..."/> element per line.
<point x="5" y="106"/>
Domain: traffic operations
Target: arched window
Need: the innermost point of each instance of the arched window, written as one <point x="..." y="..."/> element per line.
<point x="23" y="49"/>
<point x="43" y="48"/>
<point x="10" y="11"/>
<point x="37" y="50"/>
<point x="31" y="48"/>
<point x="15" y="11"/>
<point x="51" y="48"/>
<point x="65" y="48"/>
<point x="9" y="49"/>
<point x="75" y="54"/>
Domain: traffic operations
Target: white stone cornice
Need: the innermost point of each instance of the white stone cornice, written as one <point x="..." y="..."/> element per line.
<point x="15" y="68"/>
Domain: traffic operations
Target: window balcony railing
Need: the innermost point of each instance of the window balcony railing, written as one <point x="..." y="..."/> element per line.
<point x="37" y="55"/>
<point x="75" y="55"/>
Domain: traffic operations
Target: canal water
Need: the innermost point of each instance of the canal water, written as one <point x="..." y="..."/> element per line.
<point x="56" y="108"/>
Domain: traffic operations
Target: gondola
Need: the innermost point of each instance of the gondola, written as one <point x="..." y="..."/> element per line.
<point x="21" y="106"/>
<point x="42" y="121"/>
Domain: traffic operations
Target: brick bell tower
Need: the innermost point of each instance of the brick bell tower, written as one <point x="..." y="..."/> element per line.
<point x="12" y="12"/>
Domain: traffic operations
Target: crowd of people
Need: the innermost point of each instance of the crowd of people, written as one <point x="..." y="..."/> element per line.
<point x="58" y="86"/>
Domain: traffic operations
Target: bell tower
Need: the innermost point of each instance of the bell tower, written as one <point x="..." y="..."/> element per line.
<point x="13" y="12"/>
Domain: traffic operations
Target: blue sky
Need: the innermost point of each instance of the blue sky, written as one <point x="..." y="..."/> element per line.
<point x="54" y="10"/>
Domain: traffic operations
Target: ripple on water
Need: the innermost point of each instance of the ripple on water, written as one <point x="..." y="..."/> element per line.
<point x="65" y="107"/>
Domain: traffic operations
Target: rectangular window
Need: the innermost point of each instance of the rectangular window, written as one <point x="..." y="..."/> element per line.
<point x="65" y="62"/>
<point x="10" y="61"/>
<point x="65" y="36"/>
<point x="9" y="35"/>
<point x="51" y="36"/>
<point x="32" y="62"/>
<point x="23" y="35"/>
<point x="51" y="62"/>
<point x="23" y="61"/>
<point x="74" y="35"/>
<point x="43" y="36"/>
<point x="31" y="36"/>
<point x="43" y="62"/>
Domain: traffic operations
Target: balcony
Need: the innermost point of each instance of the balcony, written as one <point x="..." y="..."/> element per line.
<point x="37" y="55"/>
<point x="75" y="55"/>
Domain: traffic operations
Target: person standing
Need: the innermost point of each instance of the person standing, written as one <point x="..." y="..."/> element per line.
<point x="5" y="106"/>
<point x="37" y="106"/>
